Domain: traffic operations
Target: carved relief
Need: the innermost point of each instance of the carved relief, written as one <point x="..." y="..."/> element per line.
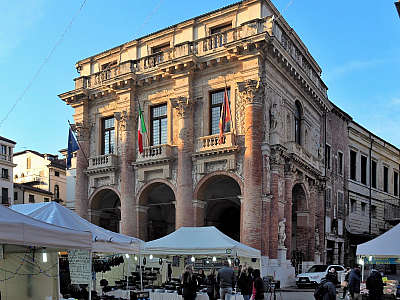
<point x="239" y="168"/>
<point x="281" y="185"/>
<point x="267" y="168"/>
<point x="240" y="109"/>
<point x="127" y="119"/>
<point x="216" y="166"/>
<point x="184" y="105"/>
<point x="82" y="130"/>
<point x="251" y="91"/>
<point x="113" y="106"/>
<point x="288" y="128"/>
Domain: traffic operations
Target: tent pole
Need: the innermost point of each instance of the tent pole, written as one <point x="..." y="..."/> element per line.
<point x="127" y="277"/>
<point x="90" y="280"/>
<point x="140" y="268"/>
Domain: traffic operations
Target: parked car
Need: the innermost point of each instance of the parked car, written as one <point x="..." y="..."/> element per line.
<point x="316" y="273"/>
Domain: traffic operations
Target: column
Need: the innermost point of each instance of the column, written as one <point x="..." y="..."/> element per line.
<point x="141" y="221"/>
<point x="184" y="186"/>
<point x="198" y="212"/>
<point x="289" y="171"/>
<point x="82" y="163"/>
<point x="127" y="121"/>
<point x="313" y="184"/>
<point x="252" y="205"/>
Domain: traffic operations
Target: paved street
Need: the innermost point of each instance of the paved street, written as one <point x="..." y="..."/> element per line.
<point x="284" y="295"/>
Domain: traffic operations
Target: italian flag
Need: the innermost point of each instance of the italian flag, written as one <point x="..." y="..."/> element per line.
<point x="141" y="130"/>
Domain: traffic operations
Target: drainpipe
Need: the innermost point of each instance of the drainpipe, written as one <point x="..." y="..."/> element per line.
<point x="370" y="186"/>
<point x="324" y="221"/>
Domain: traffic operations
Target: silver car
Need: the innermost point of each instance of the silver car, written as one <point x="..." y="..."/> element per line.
<point x="316" y="273"/>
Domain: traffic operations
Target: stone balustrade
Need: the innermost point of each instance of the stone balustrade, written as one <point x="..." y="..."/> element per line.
<point x="213" y="142"/>
<point x="156" y="152"/>
<point x="103" y="161"/>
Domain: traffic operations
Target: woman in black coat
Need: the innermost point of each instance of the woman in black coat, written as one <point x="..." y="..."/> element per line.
<point x="257" y="285"/>
<point x="189" y="283"/>
<point x="211" y="285"/>
<point x="245" y="283"/>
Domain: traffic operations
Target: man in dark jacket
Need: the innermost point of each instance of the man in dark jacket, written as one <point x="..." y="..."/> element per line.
<point x="329" y="287"/>
<point x="354" y="283"/>
<point x="375" y="285"/>
<point x="226" y="279"/>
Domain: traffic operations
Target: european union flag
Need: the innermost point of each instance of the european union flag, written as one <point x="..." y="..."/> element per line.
<point x="72" y="147"/>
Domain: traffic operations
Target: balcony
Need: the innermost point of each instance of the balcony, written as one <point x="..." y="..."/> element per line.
<point x="163" y="60"/>
<point x="102" y="163"/>
<point x="212" y="142"/>
<point x="297" y="150"/>
<point x="6" y="157"/>
<point x="155" y="153"/>
<point x="32" y="179"/>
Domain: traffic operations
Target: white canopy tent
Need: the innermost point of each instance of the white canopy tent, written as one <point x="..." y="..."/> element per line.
<point x="199" y="241"/>
<point x="103" y="240"/>
<point x="18" y="229"/>
<point x="385" y="245"/>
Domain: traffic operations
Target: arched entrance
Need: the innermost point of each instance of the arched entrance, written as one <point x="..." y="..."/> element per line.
<point x="158" y="198"/>
<point x="222" y="208"/>
<point x="300" y="220"/>
<point x="105" y="209"/>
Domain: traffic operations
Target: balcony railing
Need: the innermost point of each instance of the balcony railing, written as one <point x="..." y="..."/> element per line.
<point x="155" y="153"/>
<point x="198" y="47"/>
<point x="103" y="161"/>
<point x="213" y="142"/>
<point x="5" y="157"/>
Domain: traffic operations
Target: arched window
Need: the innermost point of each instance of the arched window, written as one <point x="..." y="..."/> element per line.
<point x="56" y="192"/>
<point x="297" y="124"/>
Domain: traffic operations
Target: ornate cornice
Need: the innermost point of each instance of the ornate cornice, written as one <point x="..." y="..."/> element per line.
<point x="127" y="119"/>
<point x="184" y="105"/>
<point x="251" y="91"/>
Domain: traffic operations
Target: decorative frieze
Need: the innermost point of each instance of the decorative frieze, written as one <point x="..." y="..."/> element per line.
<point x="251" y="91"/>
<point x="127" y="119"/>
<point x="184" y="105"/>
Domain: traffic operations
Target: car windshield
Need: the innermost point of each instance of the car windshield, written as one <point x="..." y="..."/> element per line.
<point x="317" y="268"/>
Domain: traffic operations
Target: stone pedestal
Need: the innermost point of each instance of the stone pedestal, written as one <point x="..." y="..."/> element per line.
<point x="317" y="258"/>
<point x="282" y="257"/>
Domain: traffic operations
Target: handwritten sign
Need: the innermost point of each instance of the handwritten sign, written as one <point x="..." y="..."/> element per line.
<point x="79" y="266"/>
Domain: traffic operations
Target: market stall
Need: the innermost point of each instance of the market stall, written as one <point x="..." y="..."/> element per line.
<point x="382" y="250"/>
<point x="105" y="243"/>
<point x="28" y="255"/>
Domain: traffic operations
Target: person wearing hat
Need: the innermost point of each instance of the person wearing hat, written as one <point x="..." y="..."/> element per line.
<point x="374" y="285"/>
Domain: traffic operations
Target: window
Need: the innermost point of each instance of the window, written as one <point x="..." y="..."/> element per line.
<point x="385" y="179"/>
<point x="363" y="209"/>
<point x="353" y="205"/>
<point x="108" y="133"/>
<point x="160" y="48"/>
<point x="159" y="124"/>
<point x="46" y="200"/>
<point x="363" y="169"/>
<point x="328" y="157"/>
<point x="220" y="39"/>
<point x="56" y="192"/>
<point x="340" y="197"/>
<point x="56" y="173"/>
<point x="28" y="163"/>
<point x="373" y="171"/>
<point x="373" y="211"/>
<point x="353" y="164"/>
<point x="340" y="163"/>
<point x="217" y="99"/>
<point x="297" y="124"/>
<point x="328" y="199"/>
<point x="15" y="196"/>
<point x="4" y="173"/>
<point x="328" y="224"/>
<point x="396" y="183"/>
<point x="4" y="196"/>
<point x="340" y="227"/>
<point x="31" y="198"/>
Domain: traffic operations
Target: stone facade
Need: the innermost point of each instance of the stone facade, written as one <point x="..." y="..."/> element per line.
<point x="6" y="166"/>
<point x="264" y="183"/>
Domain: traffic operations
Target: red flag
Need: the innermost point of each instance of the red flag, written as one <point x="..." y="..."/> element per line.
<point x="225" y="117"/>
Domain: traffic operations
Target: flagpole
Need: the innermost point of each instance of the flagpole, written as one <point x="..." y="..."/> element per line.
<point x="78" y="142"/>
<point x="147" y="136"/>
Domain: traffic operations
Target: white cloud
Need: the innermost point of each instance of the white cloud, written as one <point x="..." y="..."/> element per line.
<point x="351" y="67"/>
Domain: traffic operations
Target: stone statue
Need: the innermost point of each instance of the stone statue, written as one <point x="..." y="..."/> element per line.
<point x="316" y="239"/>
<point x="273" y="115"/>
<point x="281" y="233"/>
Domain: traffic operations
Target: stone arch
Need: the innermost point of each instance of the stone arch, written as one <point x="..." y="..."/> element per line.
<point x="105" y="208"/>
<point x="156" y="209"/>
<point x="300" y="218"/>
<point x="205" y="182"/>
<point x="219" y="192"/>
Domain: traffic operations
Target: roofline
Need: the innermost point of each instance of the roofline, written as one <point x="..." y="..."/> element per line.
<point x="7" y="140"/>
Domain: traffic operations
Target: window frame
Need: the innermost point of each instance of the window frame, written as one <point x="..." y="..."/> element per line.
<point x="364" y="169"/>
<point x="297" y="123"/>
<point x="110" y="131"/>
<point x="374" y="172"/>
<point x="328" y="198"/>
<point x="353" y="165"/>
<point x="385" y="179"/>
<point x="340" y="201"/>
<point x="395" y="183"/>
<point x="56" y="192"/>
<point x="160" y="121"/>
<point x="340" y="163"/>
<point x="215" y="105"/>
<point x="328" y="156"/>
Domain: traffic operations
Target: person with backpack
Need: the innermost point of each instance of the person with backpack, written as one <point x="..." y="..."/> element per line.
<point x="326" y="290"/>
<point x="354" y="283"/>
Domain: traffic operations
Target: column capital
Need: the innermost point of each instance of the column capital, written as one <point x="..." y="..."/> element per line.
<point x="251" y="91"/>
<point x="184" y="105"/>
<point x="127" y="119"/>
<point x="82" y="130"/>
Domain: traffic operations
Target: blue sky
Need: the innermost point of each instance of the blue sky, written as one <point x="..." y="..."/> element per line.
<point x="356" y="43"/>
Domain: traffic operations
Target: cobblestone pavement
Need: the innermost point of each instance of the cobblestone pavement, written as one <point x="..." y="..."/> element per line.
<point x="291" y="295"/>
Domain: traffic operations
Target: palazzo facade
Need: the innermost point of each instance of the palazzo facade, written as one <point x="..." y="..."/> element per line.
<point x="263" y="184"/>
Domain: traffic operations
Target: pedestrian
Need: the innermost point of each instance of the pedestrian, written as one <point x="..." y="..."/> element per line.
<point x="226" y="279"/>
<point x="245" y="283"/>
<point x="354" y="283"/>
<point x="374" y="285"/>
<point x="201" y="277"/>
<point x="346" y="282"/>
<point x="334" y="273"/>
<point x="257" y="292"/>
<point x="189" y="283"/>
<point x="211" y="285"/>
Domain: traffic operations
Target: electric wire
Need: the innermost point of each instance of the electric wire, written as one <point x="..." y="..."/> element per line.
<point x="43" y="64"/>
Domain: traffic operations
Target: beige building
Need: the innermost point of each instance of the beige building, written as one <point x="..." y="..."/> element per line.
<point x="6" y="166"/>
<point x="25" y="194"/>
<point x="373" y="205"/>
<point x="43" y="171"/>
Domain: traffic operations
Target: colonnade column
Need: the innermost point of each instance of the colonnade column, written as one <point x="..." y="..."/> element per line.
<point x="252" y="205"/>
<point x="184" y="187"/>
<point x="82" y="163"/>
<point x="289" y="171"/>
<point x="127" y="121"/>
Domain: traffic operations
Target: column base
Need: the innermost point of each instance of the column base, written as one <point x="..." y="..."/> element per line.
<point x="317" y="258"/>
<point x="280" y="271"/>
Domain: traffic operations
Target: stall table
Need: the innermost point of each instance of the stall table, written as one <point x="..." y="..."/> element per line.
<point x="125" y="294"/>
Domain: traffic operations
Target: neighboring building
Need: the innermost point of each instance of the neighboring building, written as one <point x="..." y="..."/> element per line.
<point x="25" y="194"/>
<point x="43" y="171"/>
<point x="71" y="180"/>
<point x="278" y="180"/>
<point x="6" y="165"/>
<point x="373" y="187"/>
